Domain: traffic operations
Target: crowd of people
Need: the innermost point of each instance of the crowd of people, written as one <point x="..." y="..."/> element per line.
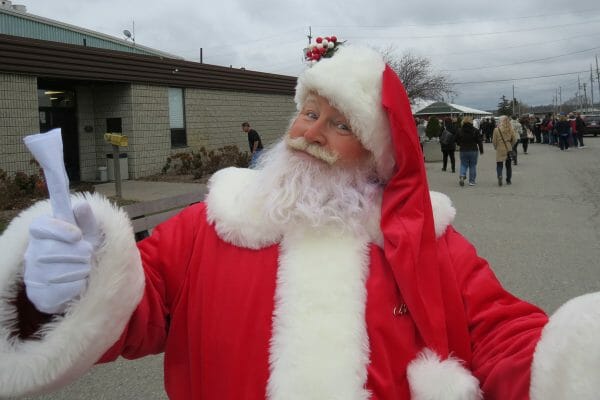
<point x="467" y="135"/>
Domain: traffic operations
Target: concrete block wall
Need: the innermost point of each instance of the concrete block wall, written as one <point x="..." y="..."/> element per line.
<point x="214" y="118"/>
<point x="88" y="164"/>
<point x="19" y="117"/>
<point x="110" y="101"/>
<point x="150" y="137"/>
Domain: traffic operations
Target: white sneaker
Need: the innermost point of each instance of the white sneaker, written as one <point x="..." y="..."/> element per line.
<point x="471" y="183"/>
<point x="582" y="147"/>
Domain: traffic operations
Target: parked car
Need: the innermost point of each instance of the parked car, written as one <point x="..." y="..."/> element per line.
<point x="592" y="124"/>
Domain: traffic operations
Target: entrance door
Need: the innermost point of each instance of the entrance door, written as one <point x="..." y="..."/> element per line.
<point x="57" y="110"/>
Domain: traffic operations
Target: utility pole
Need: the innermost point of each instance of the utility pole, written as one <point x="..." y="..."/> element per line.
<point x="597" y="75"/>
<point x="579" y="92"/>
<point x="592" y="86"/>
<point x="309" y="36"/>
<point x="200" y="55"/>
<point x="560" y="102"/>
<point x="584" y="95"/>
<point x="513" y="100"/>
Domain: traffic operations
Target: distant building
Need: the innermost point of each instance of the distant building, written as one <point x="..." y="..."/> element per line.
<point x="57" y="75"/>
<point x="442" y="109"/>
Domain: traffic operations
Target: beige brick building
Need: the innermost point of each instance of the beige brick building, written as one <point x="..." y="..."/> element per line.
<point x="163" y="105"/>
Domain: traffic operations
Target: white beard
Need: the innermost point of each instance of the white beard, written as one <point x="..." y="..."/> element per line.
<point x="306" y="191"/>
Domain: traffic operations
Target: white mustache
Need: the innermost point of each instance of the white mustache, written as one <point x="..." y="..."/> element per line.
<point x="313" y="149"/>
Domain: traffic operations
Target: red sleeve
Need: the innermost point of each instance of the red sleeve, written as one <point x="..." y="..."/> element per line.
<point x="165" y="257"/>
<point x="504" y="330"/>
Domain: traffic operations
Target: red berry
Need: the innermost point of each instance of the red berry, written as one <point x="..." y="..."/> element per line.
<point x="308" y="53"/>
<point x="333" y="39"/>
<point x="319" y="39"/>
<point x="323" y="50"/>
<point x="317" y="57"/>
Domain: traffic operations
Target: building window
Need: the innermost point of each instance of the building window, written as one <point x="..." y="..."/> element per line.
<point x="177" y="118"/>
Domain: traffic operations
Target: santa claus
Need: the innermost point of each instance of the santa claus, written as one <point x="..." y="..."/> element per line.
<point x="330" y="272"/>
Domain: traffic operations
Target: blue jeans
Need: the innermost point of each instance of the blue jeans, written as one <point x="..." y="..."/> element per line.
<point x="468" y="160"/>
<point x="254" y="158"/>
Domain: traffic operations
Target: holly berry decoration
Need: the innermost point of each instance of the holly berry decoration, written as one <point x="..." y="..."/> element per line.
<point x="324" y="47"/>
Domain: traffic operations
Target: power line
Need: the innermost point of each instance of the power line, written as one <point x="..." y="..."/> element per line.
<point x="278" y="35"/>
<point x="562" y="14"/>
<point x="518" y="79"/>
<point x="587" y="35"/>
<point x="521" y="62"/>
<point x="546" y="27"/>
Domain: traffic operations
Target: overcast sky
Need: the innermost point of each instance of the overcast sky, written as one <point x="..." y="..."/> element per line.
<point x="472" y="41"/>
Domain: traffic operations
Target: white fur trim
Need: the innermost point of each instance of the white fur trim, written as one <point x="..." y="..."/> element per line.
<point x="430" y="378"/>
<point x="234" y="206"/>
<point x="69" y="345"/>
<point x="351" y="80"/>
<point x="443" y="212"/>
<point x="320" y="346"/>
<point x="566" y="363"/>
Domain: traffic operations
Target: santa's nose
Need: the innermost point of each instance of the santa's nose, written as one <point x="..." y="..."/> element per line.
<point x="316" y="133"/>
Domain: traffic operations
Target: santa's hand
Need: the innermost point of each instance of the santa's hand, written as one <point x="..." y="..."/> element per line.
<point x="59" y="258"/>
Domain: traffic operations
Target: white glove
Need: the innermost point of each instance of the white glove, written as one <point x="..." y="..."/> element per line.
<point x="59" y="258"/>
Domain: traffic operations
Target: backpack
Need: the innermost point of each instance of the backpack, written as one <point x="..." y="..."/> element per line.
<point x="446" y="137"/>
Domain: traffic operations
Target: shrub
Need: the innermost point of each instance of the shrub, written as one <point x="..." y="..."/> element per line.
<point x="433" y="127"/>
<point x="21" y="190"/>
<point x="205" y="162"/>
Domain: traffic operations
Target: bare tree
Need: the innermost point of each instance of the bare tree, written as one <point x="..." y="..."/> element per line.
<point x="418" y="77"/>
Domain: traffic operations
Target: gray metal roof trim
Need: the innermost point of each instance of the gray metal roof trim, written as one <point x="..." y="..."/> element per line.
<point x="43" y="57"/>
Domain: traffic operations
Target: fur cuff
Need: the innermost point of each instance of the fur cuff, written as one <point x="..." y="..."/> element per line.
<point x="430" y="378"/>
<point x="68" y="346"/>
<point x="443" y="212"/>
<point x="566" y="362"/>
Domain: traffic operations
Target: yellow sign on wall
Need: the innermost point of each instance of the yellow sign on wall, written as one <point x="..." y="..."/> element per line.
<point x="116" y="139"/>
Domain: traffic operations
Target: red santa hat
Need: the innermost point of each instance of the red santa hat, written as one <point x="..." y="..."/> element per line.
<point x="357" y="81"/>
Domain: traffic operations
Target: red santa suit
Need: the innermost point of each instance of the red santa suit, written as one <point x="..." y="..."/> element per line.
<point x="247" y="309"/>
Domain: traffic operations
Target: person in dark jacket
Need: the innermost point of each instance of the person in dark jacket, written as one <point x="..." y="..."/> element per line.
<point x="469" y="141"/>
<point x="448" y="144"/>
<point x="563" y="129"/>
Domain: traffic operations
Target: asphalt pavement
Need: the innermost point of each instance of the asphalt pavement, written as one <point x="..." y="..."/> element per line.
<point x="541" y="236"/>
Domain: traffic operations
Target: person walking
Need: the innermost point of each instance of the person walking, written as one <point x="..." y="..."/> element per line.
<point x="448" y="145"/>
<point x="469" y="140"/>
<point x="524" y="137"/>
<point x="573" y="138"/>
<point x="504" y="139"/>
<point x="254" y="142"/>
<point x="516" y="125"/>
<point x="580" y="125"/>
<point x="546" y="129"/>
<point x="563" y="130"/>
<point x="487" y="127"/>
